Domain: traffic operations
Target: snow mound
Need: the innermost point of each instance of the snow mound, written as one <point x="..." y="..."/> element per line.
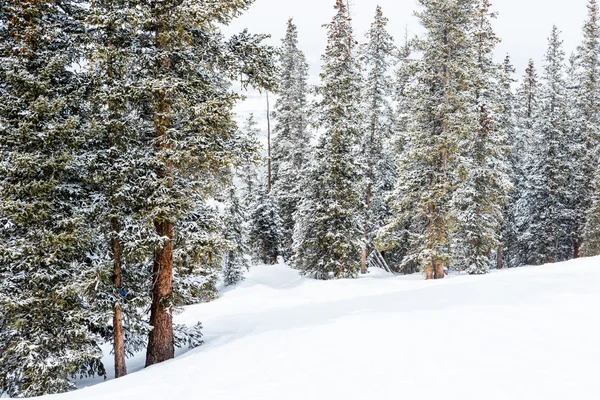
<point x="528" y="333"/>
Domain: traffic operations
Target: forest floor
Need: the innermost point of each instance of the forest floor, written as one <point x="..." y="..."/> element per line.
<point x="528" y="333"/>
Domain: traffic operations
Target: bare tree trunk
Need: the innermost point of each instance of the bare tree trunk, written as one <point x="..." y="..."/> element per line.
<point x="160" y="341"/>
<point x="499" y="258"/>
<point x="118" y="337"/>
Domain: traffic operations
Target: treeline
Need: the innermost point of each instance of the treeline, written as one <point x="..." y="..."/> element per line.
<point x="116" y="137"/>
<point x="431" y="152"/>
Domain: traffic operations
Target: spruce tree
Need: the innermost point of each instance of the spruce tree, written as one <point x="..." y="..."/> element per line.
<point x="481" y="194"/>
<point x="522" y="157"/>
<point x="505" y="122"/>
<point x="379" y="163"/>
<point x="235" y="261"/>
<point x="587" y="133"/>
<point x="265" y="227"/>
<point x="248" y="175"/>
<point x="184" y="98"/>
<point x="115" y="166"/>
<point x="440" y="116"/>
<point x="544" y="205"/>
<point x="328" y="233"/>
<point x="43" y="208"/>
<point x="291" y="145"/>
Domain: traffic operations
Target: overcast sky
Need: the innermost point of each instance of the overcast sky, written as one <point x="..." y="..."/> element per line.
<point x="523" y="26"/>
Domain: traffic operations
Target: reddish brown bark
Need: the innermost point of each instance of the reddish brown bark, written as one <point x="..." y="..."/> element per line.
<point x="118" y="337"/>
<point x="160" y="341"/>
<point x="577" y="249"/>
<point x="429" y="271"/>
<point x="363" y="267"/>
<point x="439" y="271"/>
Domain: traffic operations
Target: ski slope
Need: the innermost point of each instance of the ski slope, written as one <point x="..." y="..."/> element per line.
<point x="528" y="333"/>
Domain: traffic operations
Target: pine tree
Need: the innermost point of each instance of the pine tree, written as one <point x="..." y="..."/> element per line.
<point x="421" y="201"/>
<point x="114" y="162"/>
<point x="522" y="156"/>
<point x="184" y="98"/>
<point x="327" y="234"/>
<point x="248" y="175"/>
<point x="481" y="194"/>
<point x="545" y="204"/>
<point x="587" y="133"/>
<point x="235" y="261"/>
<point x="291" y="145"/>
<point x="43" y="207"/>
<point x="265" y="227"/>
<point x="380" y="168"/>
<point x="505" y="122"/>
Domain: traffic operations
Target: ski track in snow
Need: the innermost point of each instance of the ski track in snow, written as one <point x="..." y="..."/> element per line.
<point x="527" y="333"/>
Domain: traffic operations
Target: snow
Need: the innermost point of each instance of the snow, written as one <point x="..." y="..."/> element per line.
<point x="527" y="333"/>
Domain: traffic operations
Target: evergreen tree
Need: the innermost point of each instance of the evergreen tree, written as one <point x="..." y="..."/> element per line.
<point x="235" y="261"/>
<point x="291" y="145"/>
<point x="184" y="99"/>
<point x="545" y="204"/>
<point x="440" y="115"/>
<point x="265" y="227"/>
<point x="379" y="163"/>
<point x="327" y="234"/>
<point x="522" y="156"/>
<point x="115" y="167"/>
<point x="506" y="123"/>
<point x="43" y="209"/>
<point x="587" y="133"/>
<point x="480" y="195"/>
<point x="248" y="175"/>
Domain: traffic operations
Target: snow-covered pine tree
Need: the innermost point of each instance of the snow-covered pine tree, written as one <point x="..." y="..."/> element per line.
<point x="544" y="205"/>
<point x="265" y="227"/>
<point x="248" y="175"/>
<point x="522" y="144"/>
<point x="291" y="145"/>
<point x="505" y="122"/>
<point x="380" y="168"/>
<point x="43" y="211"/>
<point x="440" y="116"/>
<point x="478" y="201"/>
<point x="586" y="131"/>
<point x="328" y="232"/>
<point x="114" y="162"/>
<point x="183" y="75"/>
<point x="235" y="261"/>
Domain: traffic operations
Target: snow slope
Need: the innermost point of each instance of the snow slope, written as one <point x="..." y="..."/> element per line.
<point x="528" y="333"/>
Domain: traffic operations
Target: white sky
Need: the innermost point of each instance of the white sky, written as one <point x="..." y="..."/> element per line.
<point x="523" y="26"/>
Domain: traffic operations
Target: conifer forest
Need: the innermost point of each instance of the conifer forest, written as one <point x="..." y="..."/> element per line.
<point x="131" y="190"/>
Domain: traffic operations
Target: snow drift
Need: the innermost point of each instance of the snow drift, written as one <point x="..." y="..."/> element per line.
<point x="528" y="333"/>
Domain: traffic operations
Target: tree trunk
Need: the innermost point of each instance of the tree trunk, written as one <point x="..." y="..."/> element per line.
<point x="499" y="259"/>
<point x="439" y="271"/>
<point x="160" y="340"/>
<point x="429" y="271"/>
<point x="363" y="267"/>
<point x="118" y="337"/>
<point x="577" y="249"/>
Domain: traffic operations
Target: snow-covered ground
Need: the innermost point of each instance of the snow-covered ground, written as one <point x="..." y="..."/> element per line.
<point x="528" y="333"/>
